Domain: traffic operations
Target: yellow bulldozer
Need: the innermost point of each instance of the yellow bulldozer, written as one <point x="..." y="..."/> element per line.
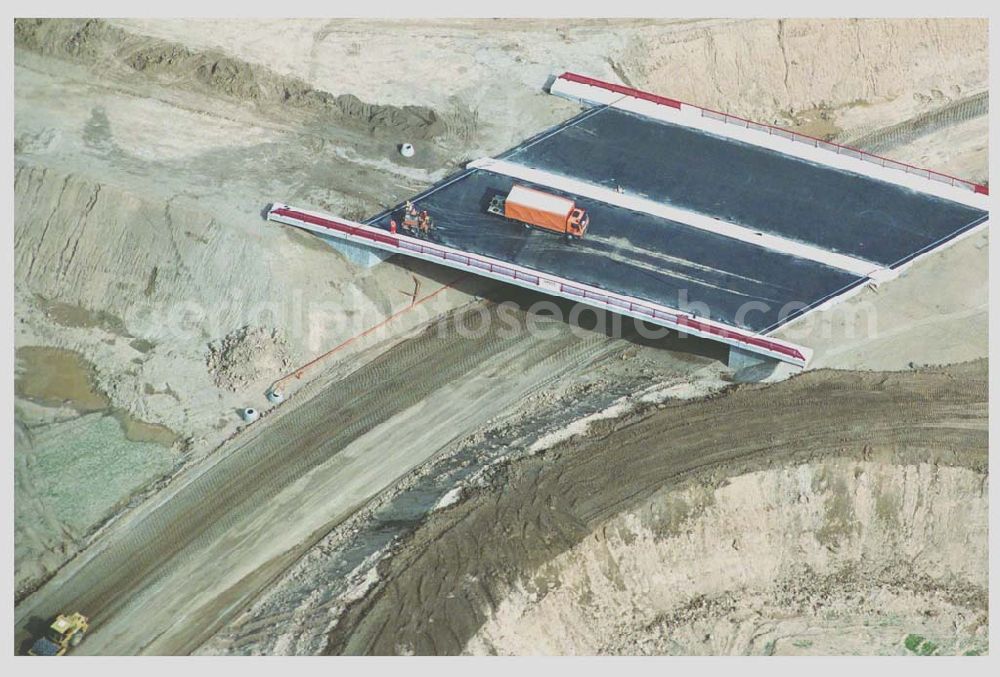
<point x="64" y="633"/>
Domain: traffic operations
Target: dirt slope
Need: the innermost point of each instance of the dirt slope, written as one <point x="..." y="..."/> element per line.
<point x="141" y="171"/>
<point x="842" y="556"/>
<point x="844" y="74"/>
<point x="454" y="575"/>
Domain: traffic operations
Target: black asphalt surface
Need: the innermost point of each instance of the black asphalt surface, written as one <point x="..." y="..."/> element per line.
<point x="748" y="185"/>
<point x="636" y="254"/>
<point x="678" y="266"/>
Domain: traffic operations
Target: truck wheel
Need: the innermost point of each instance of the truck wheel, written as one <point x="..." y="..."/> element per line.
<point x="76" y="639"/>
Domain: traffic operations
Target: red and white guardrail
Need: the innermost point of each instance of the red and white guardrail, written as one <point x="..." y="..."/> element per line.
<point x="653" y="313"/>
<point x="592" y="90"/>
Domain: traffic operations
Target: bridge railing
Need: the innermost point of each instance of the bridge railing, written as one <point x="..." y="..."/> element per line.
<point x="545" y="283"/>
<point x="841" y="149"/>
<point x="773" y="130"/>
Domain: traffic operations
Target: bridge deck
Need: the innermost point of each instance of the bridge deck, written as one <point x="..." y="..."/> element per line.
<point x="679" y="244"/>
<point x="757" y="187"/>
<point x="637" y="255"/>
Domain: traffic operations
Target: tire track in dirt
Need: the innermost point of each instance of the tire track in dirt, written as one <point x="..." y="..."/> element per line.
<point x="467" y="557"/>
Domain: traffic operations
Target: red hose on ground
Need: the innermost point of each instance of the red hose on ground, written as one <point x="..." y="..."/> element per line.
<point x="298" y="373"/>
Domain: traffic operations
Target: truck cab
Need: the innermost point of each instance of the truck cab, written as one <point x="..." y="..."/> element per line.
<point x="577" y="223"/>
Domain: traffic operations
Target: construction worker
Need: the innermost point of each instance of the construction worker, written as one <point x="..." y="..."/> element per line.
<point x="392" y="226"/>
<point x="425" y="224"/>
<point x="410" y="222"/>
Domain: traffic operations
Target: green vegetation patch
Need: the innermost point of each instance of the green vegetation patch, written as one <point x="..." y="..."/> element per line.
<point x="919" y="645"/>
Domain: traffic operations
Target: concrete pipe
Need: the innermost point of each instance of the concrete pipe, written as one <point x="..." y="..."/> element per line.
<point x="275" y="396"/>
<point x="250" y="414"/>
<point x="406" y="150"/>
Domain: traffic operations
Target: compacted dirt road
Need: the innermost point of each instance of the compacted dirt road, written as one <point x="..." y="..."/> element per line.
<point x="209" y="543"/>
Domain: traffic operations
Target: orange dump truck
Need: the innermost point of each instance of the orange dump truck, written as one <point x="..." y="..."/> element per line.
<point x="542" y="210"/>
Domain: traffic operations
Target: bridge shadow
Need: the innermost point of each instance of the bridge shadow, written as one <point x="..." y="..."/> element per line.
<point x="578" y="315"/>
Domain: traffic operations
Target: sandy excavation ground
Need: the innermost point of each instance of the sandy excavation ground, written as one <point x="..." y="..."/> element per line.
<point x="757" y="527"/>
<point x="151" y="302"/>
